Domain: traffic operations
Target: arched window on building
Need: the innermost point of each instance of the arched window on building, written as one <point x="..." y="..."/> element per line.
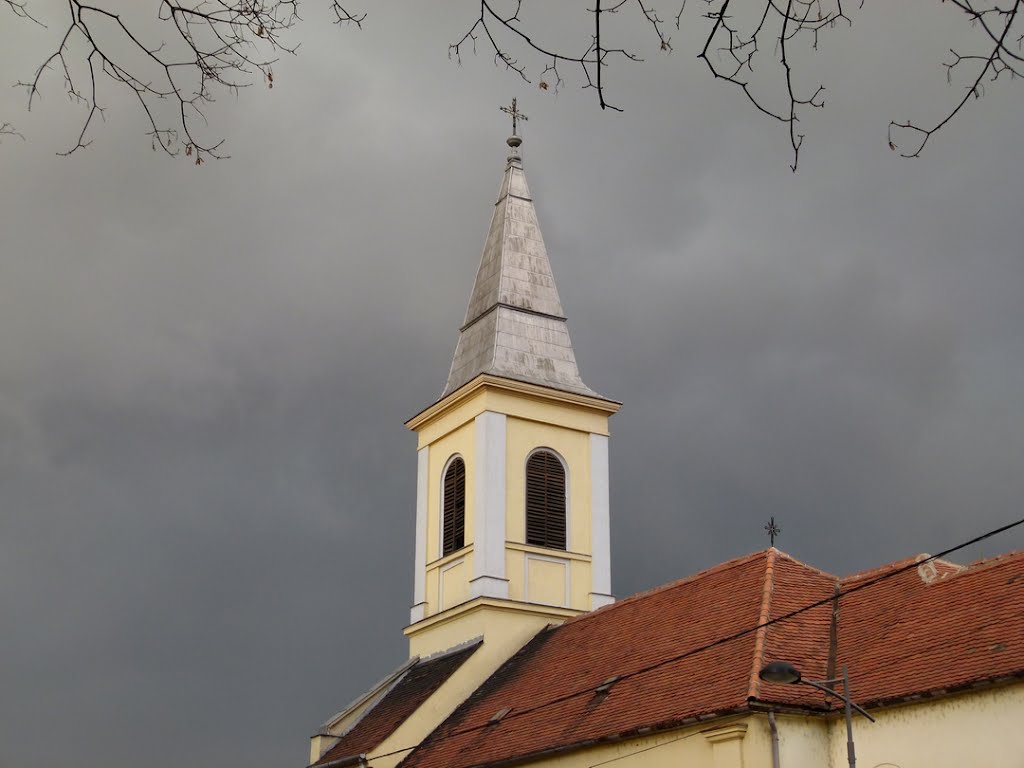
<point x="545" y="500"/>
<point x="453" y="534"/>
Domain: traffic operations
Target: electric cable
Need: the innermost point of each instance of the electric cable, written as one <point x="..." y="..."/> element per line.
<point x="734" y="636"/>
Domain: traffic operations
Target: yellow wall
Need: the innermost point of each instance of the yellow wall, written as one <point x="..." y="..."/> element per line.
<point x="982" y="729"/>
<point x="521" y="401"/>
<point x="459" y="441"/>
<point x="533" y="421"/>
<point x="573" y="446"/>
<point x="504" y="632"/>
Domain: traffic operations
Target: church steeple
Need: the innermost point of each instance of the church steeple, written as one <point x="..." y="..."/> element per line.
<point x="512" y="512"/>
<point x="515" y="325"/>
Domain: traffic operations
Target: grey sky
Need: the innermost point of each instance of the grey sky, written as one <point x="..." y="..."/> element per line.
<point x="207" y="492"/>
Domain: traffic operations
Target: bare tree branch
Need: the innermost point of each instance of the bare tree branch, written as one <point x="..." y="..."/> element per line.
<point x="20" y="9"/>
<point x="6" y="129"/>
<point x="740" y="34"/>
<point x="213" y="46"/>
<point x="998" y="23"/>
<point x="495" y="28"/>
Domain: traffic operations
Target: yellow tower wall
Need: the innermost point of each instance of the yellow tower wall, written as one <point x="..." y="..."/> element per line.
<point x="557" y="583"/>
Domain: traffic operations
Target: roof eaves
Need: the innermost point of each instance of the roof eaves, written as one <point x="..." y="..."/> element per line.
<point x="379" y="690"/>
<point x="981" y="683"/>
<point x="341" y="762"/>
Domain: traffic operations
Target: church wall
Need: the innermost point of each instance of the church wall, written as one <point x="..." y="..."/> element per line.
<point x="705" y="745"/>
<point x="524" y="437"/>
<point x="451" y="419"/>
<point x="540" y="575"/>
<point x="548" y="577"/>
<point x="547" y="411"/>
<point x="532" y="407"/>
<point x="980" y="729"/>
<point x="804" y="742"/>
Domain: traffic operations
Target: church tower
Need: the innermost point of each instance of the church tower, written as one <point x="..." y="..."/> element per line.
<point x="512" y="518"/>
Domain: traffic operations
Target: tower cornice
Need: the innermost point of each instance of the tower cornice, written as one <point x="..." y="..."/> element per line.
<point x="484" y="380"/>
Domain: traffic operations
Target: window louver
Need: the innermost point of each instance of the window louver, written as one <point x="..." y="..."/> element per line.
<point x="453" y="536"/>
<point x="545" y="501"/>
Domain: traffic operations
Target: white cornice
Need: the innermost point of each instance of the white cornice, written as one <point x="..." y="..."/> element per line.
<point x="484" y="380"/>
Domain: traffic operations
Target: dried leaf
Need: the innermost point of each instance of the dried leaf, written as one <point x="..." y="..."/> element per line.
<point x="542" y="85"/>
<point x="892" y="146"/>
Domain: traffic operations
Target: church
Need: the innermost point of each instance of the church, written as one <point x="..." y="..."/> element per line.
<point x="520" y="655"/>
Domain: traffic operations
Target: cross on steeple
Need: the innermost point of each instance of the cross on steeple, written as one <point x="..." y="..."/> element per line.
<point x="773" y="530"/>
<point x="516" y="115"/>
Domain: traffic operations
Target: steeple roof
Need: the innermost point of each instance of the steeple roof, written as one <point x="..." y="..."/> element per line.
<point x="515" y="326"/>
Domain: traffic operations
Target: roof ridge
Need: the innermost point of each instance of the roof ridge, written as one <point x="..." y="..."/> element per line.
<point x="802" y="564"/>
<point x="896" y="565"/>
<point x="754" y="688"/>
<point x="985" y="562"/>
<point x="979" y="566"/>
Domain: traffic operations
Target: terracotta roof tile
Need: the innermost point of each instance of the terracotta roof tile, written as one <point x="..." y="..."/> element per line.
<point x="900" y="637"/>
<point x="908" y="636"/>
<point x="407" y="695"/>
<point x="551" y="683"/>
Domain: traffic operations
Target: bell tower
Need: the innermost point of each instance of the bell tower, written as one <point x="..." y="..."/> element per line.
<point x="512" y="513"/>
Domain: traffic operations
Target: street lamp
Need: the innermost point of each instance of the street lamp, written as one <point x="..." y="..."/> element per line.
<point x="784" y="672"/>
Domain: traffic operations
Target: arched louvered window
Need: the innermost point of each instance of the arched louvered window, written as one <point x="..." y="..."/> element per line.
<point x="545" y="500"/>
<point x="453" y="535"/>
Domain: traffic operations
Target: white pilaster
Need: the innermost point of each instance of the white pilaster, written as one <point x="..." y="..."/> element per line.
<point x="489" y="508"/>
<point x="419" y="592"/>
<point x="600" y="524"/>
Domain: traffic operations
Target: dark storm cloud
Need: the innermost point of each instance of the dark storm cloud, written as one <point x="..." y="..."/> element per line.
<point x="206" y="523"/>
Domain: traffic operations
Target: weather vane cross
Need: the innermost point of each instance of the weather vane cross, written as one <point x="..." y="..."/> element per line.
<point x="773" y="530"/>
<point x="516" y="116"/>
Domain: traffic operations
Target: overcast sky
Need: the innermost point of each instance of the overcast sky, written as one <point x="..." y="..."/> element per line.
<point x="206" y="519"/>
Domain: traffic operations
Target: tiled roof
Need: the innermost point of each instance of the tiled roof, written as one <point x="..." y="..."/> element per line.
<point x="904" y="637"/>
<point x="404" y="698"/>
<point x="912" y="633"/>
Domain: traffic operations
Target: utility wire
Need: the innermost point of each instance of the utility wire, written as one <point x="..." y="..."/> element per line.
<point x="736" y="635"/>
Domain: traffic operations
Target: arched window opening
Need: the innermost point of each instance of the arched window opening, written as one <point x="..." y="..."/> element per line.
<point x="453" y="534"/>
<point x="545" y="501"/>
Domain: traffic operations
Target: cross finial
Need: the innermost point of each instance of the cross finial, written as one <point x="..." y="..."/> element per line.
<point x="773" y="530"/>
<point x="516" y="116"/>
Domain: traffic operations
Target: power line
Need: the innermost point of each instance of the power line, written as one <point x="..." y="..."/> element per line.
<point x="744" y="632"/>
<point x="737" y="635"/>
